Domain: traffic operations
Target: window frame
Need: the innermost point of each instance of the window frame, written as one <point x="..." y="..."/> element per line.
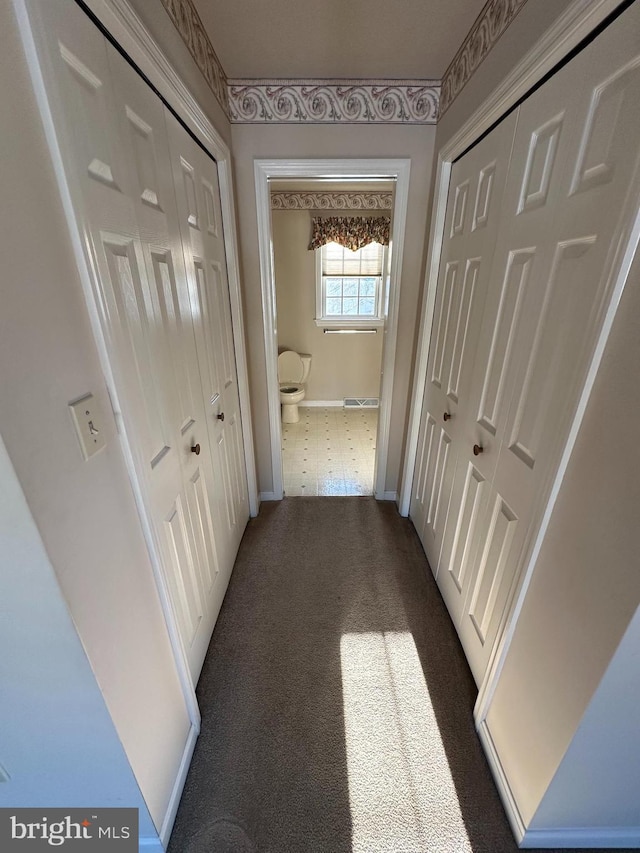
<point x="353" y="321"/>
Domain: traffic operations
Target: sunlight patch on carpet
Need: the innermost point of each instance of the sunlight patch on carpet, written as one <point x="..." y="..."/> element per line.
<point x="401" y="793"/>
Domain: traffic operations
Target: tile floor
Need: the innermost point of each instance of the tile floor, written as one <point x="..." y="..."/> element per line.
<point x="330" y="451"/>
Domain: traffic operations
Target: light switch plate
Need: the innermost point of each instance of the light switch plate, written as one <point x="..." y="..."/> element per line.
<point x="88" y="421"/>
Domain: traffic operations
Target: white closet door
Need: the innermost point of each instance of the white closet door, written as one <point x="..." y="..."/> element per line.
<point x="143" y="133"/>
<point x="198" y="197"/>
<point x="573" y="191"/>
<point x="473" y="213"/>
<point x="114" y="143"/>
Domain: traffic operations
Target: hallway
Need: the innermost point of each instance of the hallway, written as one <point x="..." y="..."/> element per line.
<point x="336" y="702"/>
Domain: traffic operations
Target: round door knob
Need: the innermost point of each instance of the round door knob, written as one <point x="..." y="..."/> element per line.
<point x="477" y="450"/>
<point x="196" y="449"/>
<point x="220" y="416"/>
<point x="447" y="417"/>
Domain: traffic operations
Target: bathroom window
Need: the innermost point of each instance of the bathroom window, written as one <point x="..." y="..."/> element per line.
<point x="349" y="286"/>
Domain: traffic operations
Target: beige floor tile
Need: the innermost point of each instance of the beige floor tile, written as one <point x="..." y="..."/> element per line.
<point x="329" y="486"/>
<point x="329" y="452"/>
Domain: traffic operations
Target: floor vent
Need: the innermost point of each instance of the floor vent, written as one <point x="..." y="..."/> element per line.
<point x="361" y="402"/>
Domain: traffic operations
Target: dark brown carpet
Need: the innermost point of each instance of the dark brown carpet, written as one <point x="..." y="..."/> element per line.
<point x="336" y="701"/>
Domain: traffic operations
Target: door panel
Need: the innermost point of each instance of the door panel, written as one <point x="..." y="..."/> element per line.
<point x="463" y="328"/>
<point x="113" y="136"/>
<point x="565" y="210"/>
<point x="199" y="212"/>
<point x="175" y="367"/>
<point x="509" y="298"/>
<point x="492" y="566"/>
<point x="464" y="530"/>
<point x="579" y="173"/>
<point x="473" y="212"/>
<point x="183" y="579"/>
<point x="471" y="222"/>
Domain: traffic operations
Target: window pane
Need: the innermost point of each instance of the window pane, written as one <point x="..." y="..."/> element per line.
<point x="334" y="287"/>
<point x="349" y="306"/>
<point x="367" y="287"/>
<point x="350" y="288"/>
<point x="367" y="306"/>
<point x="334" y="307"/>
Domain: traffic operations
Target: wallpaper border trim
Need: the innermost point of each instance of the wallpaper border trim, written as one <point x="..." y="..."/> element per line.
<point x="325" y="101"/>
<point x="317" y="101"/>
<point x="186" y="20"/>
<point x="325" y="200"/>
<point x="493" y="20"/>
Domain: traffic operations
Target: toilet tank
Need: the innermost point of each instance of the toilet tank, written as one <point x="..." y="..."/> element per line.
<point x="306" y="365"/>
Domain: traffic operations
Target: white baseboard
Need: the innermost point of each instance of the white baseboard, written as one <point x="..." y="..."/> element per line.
<point x="595" y="836"/>
<point x="152" y="844"/>
<point x="268" y="496"/>
<point x="178" y="785"/>
<point x="389" y="496"/>
<point x="502" y="783"/>
<point x="309" y="404"/>
<point x="558" y="837"/>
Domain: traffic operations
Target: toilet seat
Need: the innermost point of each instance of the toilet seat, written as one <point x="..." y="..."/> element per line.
<point x="290" y="368"/>
<point x="293" y="369"/>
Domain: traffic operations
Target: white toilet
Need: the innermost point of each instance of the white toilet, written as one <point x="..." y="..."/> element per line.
<point x="293" y="370"/>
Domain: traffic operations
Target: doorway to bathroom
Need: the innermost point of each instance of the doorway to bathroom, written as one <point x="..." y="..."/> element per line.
<point x="340" y="443"/>
<point x="329" y="305"/>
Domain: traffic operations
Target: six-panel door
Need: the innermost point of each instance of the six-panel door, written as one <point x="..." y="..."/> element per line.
<point x="570" y="198"/>
<point x="115" y="144"/>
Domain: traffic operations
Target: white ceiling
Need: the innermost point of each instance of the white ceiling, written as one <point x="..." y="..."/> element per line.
<point x="387" y="39"/>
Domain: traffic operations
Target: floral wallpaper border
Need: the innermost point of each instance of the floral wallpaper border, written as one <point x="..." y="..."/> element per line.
<point x="324" y="200"/>
<point x="342" y="101"/>
<point x="187" y="21"/>
<point x="334" y="101"/>
<point x="490" y="24"/>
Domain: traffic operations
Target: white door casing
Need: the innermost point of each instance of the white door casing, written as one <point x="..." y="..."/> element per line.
<point x="391" y="169"/>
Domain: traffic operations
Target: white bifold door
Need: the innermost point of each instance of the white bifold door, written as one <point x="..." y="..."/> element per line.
<point x="147" y="199"/>
<point x="537" y="219"/>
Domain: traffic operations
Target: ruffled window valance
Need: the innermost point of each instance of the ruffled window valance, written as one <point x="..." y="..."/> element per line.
<point x="352" y="232"/>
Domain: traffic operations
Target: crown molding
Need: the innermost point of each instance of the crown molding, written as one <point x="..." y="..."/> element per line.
<point x="490" y="24"/>
<point x="186" y="20"/>
<point x="334" y="101"/>
<point x="325" y="200"/>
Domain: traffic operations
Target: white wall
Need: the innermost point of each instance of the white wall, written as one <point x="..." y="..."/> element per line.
<point x="343" y="365"/>
<point x="586" y="584"/>
<point x="59" y="745"/>
<point x="598" y="781"/>
<point x="84" y="511"/>
<point x="251" y="142"/>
